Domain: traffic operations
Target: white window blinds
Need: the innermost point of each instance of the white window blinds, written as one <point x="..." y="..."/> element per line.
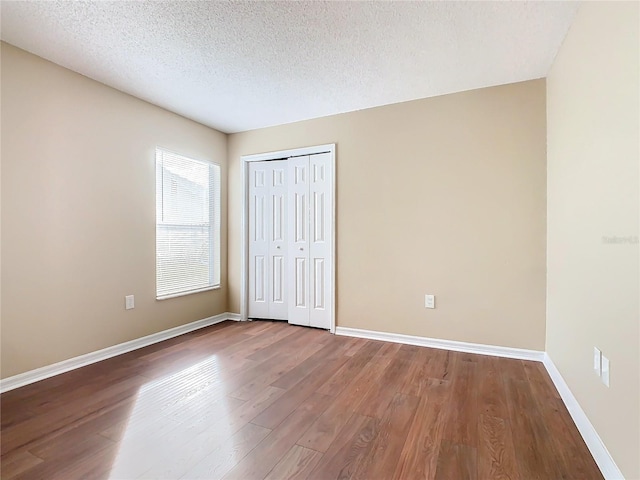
<point x="187" y="225"/>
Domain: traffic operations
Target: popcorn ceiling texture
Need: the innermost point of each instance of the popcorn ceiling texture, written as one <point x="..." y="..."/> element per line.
<point x="237" y="66"/>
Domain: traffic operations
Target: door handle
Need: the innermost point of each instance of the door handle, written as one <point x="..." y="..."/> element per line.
<point x="278" y="247"/>
<point x="301" y="249"/>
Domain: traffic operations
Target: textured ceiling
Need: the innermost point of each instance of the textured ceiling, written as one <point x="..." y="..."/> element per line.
<point x="242" y="65"/>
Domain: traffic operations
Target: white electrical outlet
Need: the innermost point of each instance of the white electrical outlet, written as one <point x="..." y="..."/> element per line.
<point x="597" y="359"/>
<point x="129" y="302"/>
<point x="605" y="370"/>
<point x="429" y="301"/>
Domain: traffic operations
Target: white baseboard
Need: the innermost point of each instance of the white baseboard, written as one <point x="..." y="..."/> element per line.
<point x="38" y="374"/>
<point x="598" y="450"/>
<point x="496" y="351"/>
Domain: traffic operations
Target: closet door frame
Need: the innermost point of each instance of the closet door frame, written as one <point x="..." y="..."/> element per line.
<point x="282" y="155"/>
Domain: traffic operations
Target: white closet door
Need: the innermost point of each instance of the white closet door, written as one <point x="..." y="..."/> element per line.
<point x="258" y="240"/>
<point x="298" y="264"/>
<point x="290" y="235"/>
<point x="277" y="208"/>
<point x="320" y="225"/>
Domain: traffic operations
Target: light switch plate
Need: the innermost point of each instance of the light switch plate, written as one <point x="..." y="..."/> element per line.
<point x="597" y="359"/>
<point x="605" y="370"/>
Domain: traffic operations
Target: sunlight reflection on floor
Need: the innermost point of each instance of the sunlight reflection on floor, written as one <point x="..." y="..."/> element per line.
<point x="188" y="407"/>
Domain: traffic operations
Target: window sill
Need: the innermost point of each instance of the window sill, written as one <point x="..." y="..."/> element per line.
<point x="182" y="294"/>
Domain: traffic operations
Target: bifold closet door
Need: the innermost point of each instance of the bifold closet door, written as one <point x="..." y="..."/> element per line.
<point x="310" y="211"/>
<point x="268" y="240"/>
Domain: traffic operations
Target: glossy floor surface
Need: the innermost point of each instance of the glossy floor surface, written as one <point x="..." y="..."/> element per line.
<point x="260" y="400"/>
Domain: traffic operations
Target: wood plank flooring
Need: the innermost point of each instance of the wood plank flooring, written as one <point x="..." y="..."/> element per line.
<point x="266" y="400"/>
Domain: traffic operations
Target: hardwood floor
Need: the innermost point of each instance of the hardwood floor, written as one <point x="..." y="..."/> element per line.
<point x="266" y="400"/>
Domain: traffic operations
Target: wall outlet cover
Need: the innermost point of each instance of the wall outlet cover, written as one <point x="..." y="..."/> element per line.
<point x="129" y="302"/>
<point x="429" y="301"/>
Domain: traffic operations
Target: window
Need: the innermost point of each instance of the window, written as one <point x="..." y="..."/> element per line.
<point x="187" y="225"/>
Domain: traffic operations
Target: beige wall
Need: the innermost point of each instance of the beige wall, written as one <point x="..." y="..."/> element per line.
<point x="593" y="192"/>
<point x="445" y="196"/>
<point x="78" y="214"/>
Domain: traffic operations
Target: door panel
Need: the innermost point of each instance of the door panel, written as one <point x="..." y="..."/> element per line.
<point x="260" y="280"/>
<point x="279" y="273"/>
<point x="318" y="216"/>
<point x="278" y="306"/>
<point x="300" y="282"/>
<point x="318" y="283"/>
<point x="298" y="242"/>
<point x="258" y="240"/>
<point x="320" y="240"/>
<point x="300" y="217"/>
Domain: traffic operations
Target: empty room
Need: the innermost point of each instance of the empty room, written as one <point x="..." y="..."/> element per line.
<point x="320" y="240"/>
